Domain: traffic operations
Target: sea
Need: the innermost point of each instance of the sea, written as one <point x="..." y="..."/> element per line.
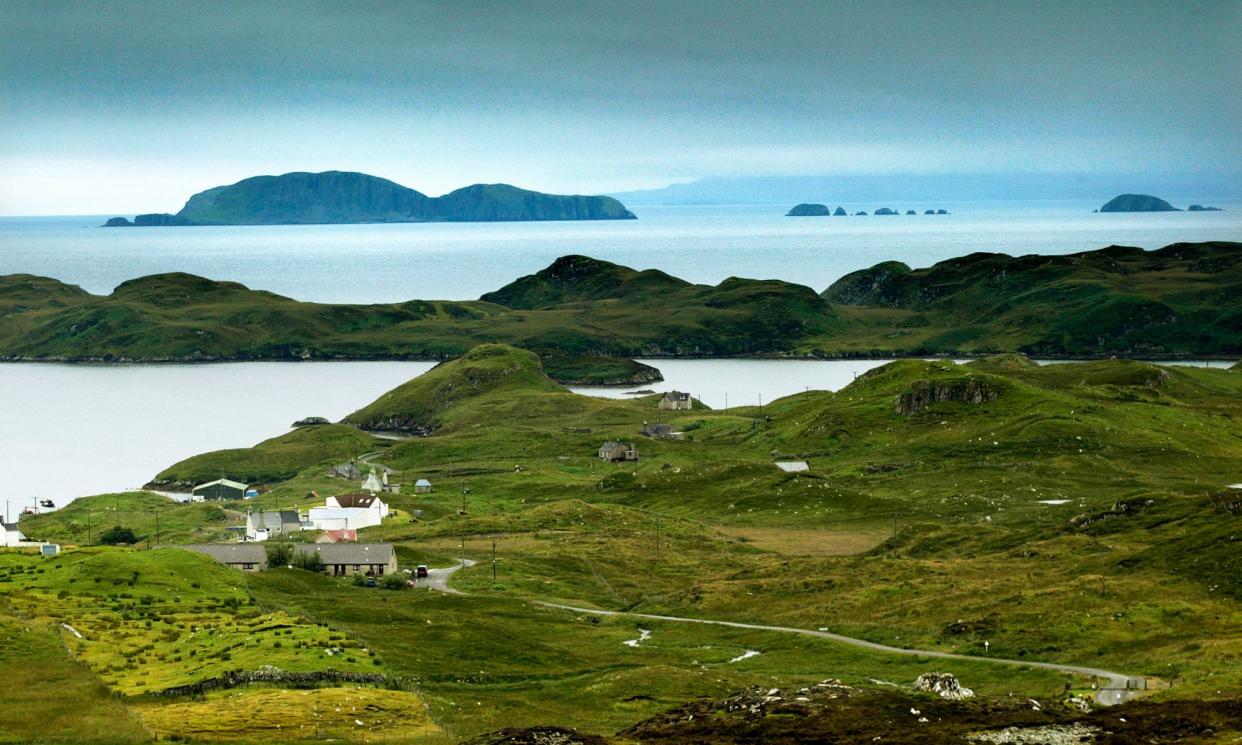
<point x="72" y="430"/>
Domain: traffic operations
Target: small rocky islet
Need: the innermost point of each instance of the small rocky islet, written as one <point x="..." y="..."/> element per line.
<point x="808" y="209"/>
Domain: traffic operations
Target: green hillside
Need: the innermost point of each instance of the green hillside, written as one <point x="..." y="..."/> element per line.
<point x="276" y="459"/>
<point x="422" y="405"/>
<point x="1181" y="299"/>
<point x="85" y="519"/>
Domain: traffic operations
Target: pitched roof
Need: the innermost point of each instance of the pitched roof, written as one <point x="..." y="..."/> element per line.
<point x="274" y="519"/>
<point x="793" y="466"/>
<point x="676" y="396"/>
<point x="231" y="553"/>
<point x="339" y="536"/>
<point x="223" y="482"/>
<point x="349" y="553"/>
<point x="422" y="482"/>
<point x="355" y="500"/>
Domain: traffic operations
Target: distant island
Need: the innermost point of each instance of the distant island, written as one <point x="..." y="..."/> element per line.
<point x="807" y="209"/>
<point x="340" y="197"/>
<point x="1147" y="203"/>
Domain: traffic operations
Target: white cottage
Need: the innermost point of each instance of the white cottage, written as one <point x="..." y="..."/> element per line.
<point x="10" y="535"/>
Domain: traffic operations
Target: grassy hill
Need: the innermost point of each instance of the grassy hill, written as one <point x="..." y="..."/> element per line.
<point x="276" y="459"/>
<point x="1178" y="301"/>
<point x="84" y="519"/>
<point x="423" y="404"/>
<point x="1181" y="299"/>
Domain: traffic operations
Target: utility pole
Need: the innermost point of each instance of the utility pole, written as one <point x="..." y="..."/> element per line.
<point x="493" y="558"/>
<point x="157" y="526"/>
<point x="88" y="526"/>
<point x="894" y="524"/>
<point x="464" y="491"/>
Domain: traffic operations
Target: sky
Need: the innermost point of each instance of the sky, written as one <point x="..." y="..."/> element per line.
<point x="124" y="107"/>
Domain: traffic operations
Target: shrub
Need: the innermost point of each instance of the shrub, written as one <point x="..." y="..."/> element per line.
<point x="279" y="554"/>
<point x="117" y="535"/>
<point x="393" y="582"/>
<point x="308" y="561"/>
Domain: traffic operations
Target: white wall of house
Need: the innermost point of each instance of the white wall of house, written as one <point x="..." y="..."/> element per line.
<point x="344" y="518"/>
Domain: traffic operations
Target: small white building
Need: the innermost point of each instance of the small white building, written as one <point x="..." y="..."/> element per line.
<point x="263" y="525"/>
<point x="10" y="535"/>
<point x="372" y="483"/>
<point x="422" y="486"/>
<point x="793" y="466"/>
<point x="349" y="512"/>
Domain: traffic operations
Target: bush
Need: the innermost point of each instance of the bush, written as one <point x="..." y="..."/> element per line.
<point x="279" y="554"/>
<point x="117" y="535"/>
<point x="393" y="582"/>
<point x="308" y="560"/>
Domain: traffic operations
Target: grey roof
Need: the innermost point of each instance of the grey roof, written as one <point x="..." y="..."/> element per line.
<point x="676" y="396"/>
<point x="232" y="553"/>
<point x="275" y="519"/>
<point x="349" y="553"/>
<point x="610" y="444"/>
<point x="422" y="482"/>
<point x="657" y="428"/>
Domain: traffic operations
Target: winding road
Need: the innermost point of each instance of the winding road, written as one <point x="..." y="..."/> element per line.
<point x="1120" y="687"/>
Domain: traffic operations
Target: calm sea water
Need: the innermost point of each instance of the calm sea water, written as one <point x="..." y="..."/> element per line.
<point x="69" y="430"/>
<point x="386" y="263"/>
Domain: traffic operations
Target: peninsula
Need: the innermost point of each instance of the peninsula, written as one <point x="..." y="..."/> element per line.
<point x="1178" y="301"/>
<point x="340" y="197"/>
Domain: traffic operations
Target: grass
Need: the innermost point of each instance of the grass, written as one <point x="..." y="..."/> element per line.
<point x="83" y="520"/>
<point x="1070" y="513"/>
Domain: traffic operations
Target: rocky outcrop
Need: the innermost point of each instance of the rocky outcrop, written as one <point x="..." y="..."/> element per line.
<point x="924" y="393"/>
<point x="839" y="212"/>
<point x="311" y="421"/>
<point x="155" y="219"/>
<point x="944" y="685"/>
<point x="808" y="210"/>
<point x="1137" y="203"/>
<point x="1121" y="508"/>
<point x="863" y="286"/>
<point x="1201" y="208"/>
<point x="885" y="211"/>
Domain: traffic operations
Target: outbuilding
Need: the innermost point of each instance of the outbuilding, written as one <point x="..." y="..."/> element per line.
<point x="422" y="486"/>
<point x="618" y="451"/>
<point x="220" y="489"/>
<point x="676" y="401"/>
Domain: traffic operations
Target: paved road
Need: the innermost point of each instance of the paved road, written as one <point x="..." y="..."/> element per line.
<point x="1115" y="692"/>
<point x="437" y="579"/>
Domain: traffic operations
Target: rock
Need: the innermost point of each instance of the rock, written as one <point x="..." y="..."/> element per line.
<point x="118" y="222"/>
<point x="311" y="421"/>
<point x="942" y="212"/>
<point x="944" y="685"/>
<point x="861" y="212"/>
<point x="808" y="210"/>
<point x="924" y="393"/>
<point x="1137" y="203"/>
<point x="839" y="212"/>
<point x="911" y="212"/>
<point x="929" y="212"/>
<point x="1201" y="208"/>
<point x="885" y="211"/>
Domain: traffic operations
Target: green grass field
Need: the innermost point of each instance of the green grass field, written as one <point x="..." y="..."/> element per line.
<point x="1073" y="513"/>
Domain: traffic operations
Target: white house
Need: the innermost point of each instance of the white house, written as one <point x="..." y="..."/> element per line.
<point x="263" y="525"/>
<point x="349" y="512"/>
<point x="10" y="535"/>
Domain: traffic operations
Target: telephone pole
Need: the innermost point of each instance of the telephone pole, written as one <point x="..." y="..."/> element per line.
<point x="493" y="558"/>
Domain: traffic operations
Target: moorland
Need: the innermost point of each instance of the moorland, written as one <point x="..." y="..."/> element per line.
<point x="1178" y="301"/>
<point x="1077" y="514"/>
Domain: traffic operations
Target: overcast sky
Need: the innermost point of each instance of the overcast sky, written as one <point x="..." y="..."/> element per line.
<point x="132" y="106"/>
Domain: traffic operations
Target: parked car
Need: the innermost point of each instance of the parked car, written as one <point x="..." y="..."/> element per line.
<point x="371" y="582"/>
<point x="421" y="571"/>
